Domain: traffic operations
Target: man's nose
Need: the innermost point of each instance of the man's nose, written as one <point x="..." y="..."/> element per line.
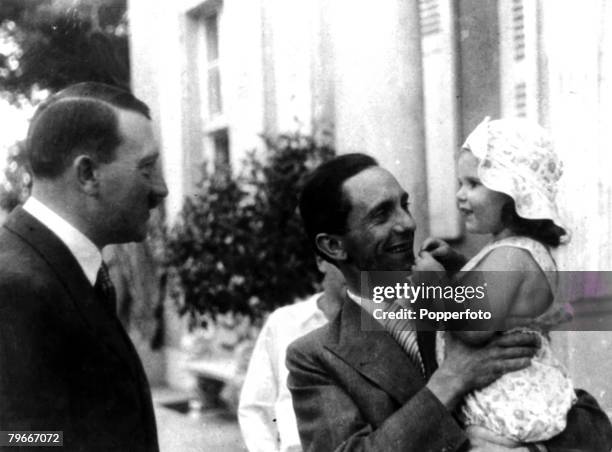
<point x="404" y="221"/>
<point x="158" y="184"/>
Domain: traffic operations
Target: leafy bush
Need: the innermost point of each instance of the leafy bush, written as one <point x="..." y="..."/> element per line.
<point x="238" y="245"/>
<point x="17" y="183"/>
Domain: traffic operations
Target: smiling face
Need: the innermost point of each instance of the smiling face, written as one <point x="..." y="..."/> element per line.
<point x="132" y="184"/>
<point x="481" y="208"/>
<point x="380" y="228"/>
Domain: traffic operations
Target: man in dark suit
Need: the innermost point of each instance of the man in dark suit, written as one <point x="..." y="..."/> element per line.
<point x="66" y="364"/>
<point x="355" y="388"/>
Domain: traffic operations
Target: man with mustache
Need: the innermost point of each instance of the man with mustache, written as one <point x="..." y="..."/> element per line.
<point x="377" y="389"/>
<point x="66" y="364"/>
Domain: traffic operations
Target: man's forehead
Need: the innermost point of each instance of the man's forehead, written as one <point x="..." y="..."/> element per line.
<point x="372" y="186"/>
<point x="129" y="119"/>
<point x="136" y="131"/>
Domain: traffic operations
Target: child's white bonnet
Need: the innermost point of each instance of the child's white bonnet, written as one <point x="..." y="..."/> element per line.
<point x="516" y="157"/>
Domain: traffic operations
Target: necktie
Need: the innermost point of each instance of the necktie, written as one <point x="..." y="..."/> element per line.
<point x="105" y="290"/>
<point x="405" y="335"/>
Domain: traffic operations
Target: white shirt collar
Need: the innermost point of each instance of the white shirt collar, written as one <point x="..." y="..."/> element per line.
<point x="316" y="315"/>
<point x="368" y="306"/>
<point x="354" y="297"/>
<point x="85" y="252"/>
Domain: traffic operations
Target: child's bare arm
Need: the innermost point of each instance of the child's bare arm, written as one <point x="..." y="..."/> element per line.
<point x="501" y="289"/>
<point x="515" y="287"/>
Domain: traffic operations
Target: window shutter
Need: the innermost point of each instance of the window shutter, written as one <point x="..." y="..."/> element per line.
<point x="519" y="46"/>
<point x="430" y="17"/>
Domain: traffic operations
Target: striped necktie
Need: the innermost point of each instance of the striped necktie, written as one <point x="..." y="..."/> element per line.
<point x="404" y="333"/>
<point x="105" y="290"/>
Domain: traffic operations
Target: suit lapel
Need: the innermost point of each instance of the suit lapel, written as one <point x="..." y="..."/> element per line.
<point x="372" y="352"/>
<point x="69" y="272"/>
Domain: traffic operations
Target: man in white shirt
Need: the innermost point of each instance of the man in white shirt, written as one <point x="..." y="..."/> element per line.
<point x="265" y="412"/>
<point x="66" y="364"/>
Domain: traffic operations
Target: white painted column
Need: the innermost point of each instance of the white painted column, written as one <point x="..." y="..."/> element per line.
<point x="322" y="69"/>
<point x="441" y="115"/>
<point x="378" y="96"/>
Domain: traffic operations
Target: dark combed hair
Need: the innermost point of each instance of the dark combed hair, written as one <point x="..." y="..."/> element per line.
<point x="544" y="231"/>
<point x="323" y="204"/>
<point x="78" y="119"/>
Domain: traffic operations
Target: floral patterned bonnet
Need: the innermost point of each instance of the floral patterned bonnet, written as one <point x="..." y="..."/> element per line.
<point x="516" y="157"/>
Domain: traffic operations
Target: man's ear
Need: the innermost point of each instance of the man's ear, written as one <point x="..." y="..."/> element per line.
<point x="331" y="245"/>
<point x="86" y="172"/>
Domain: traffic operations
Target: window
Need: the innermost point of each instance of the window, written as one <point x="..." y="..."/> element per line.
<point x="220" y="144"/>
<point x="215" y="102"/>
<point x="210" y="49"/>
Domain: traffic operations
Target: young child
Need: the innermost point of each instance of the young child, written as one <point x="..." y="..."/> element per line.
<point x="508" y="177"/>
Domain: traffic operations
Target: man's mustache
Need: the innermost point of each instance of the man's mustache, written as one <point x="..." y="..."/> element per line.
<point x="154" y="201"/>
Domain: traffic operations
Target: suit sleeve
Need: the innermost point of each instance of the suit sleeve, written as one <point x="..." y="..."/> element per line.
<point x="588" y="428"/>
<point x="28" y="390"/>
<point x="328" y="419"/>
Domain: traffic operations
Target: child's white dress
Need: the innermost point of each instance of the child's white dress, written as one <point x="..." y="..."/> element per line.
<point x="528" y="405"/>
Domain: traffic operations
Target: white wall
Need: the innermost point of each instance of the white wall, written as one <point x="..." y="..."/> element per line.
<point x="242" y="75"/>
<point x="578" y="46"/>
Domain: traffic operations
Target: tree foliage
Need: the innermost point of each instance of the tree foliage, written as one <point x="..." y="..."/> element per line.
<point x="17" y="179"/>
<point x="238" y="245"/>
<point x="48" y="45"/>
<point x="53" y="43"/>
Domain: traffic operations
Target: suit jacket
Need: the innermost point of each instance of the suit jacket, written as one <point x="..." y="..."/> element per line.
<point x="65" y="364"/>
<point x="356" y="389"/>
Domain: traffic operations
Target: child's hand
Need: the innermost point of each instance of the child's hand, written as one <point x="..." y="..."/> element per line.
<point x="437" y="247"/>
<point x="440" y="250"/>
<point x="425" y="262"/>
